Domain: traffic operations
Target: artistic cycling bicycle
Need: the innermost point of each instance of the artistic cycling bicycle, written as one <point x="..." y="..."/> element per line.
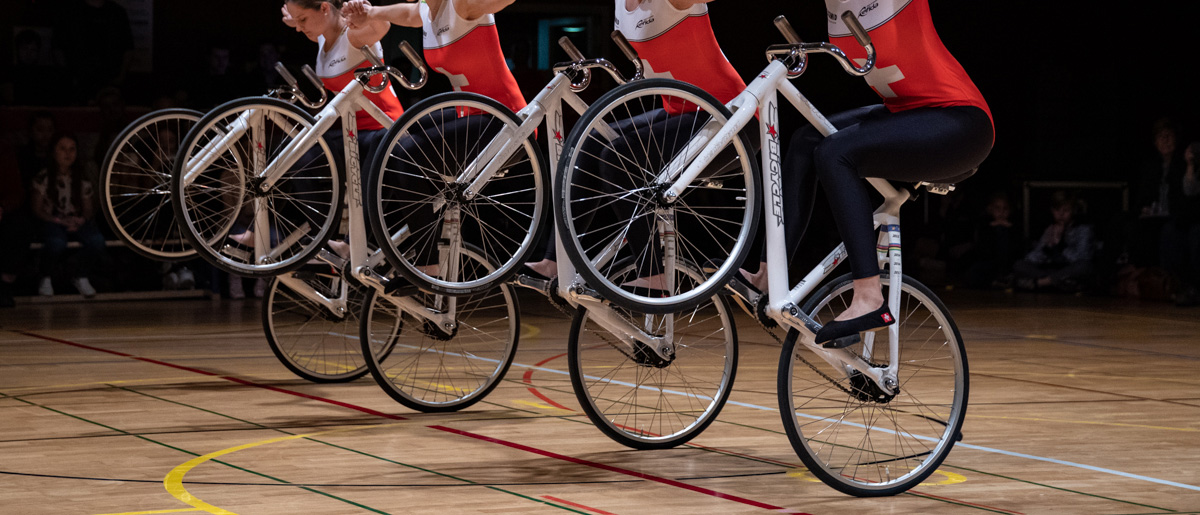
<point x="874" y="418"/>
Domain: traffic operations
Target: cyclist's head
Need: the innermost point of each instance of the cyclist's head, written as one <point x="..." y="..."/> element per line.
<point x="314" y="17"/>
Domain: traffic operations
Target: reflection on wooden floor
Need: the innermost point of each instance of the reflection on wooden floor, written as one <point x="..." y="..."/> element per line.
<point x="1077" y="405"/>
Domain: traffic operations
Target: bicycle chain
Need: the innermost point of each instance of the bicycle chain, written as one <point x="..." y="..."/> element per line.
<point x="809" y="364"/>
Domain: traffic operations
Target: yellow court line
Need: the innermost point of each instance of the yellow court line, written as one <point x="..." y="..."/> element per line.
<point x="1089" y="422"/>
<point x="531" y="331"/>
<point x="152" y="512"/>
<point x="174" y="479"/>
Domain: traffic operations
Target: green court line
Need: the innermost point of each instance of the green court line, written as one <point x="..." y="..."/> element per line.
<point x="917" y="494"/>
<point x="110" y="428"/>
<point x="355" y="451"/>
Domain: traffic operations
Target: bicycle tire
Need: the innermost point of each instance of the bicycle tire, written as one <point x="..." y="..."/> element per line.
<point x="856" y="440"/>
<point x="714" y="219"/>
<point x="299" y="211"/>
<point x="626" y="393"/>
<point x="408" y="192"/>
<point x="312" y="342"/>
<point x="429" y="370"/>
<point x="135" y="182"/>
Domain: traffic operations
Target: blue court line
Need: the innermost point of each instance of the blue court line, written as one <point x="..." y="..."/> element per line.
<point x="1065" y="463"/>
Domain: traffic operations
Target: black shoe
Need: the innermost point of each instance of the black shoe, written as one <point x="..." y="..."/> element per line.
<point x="844" y="333"/>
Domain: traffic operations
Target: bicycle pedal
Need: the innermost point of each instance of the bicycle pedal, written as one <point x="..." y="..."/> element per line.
<point x="398" y="287"/>
<point x="843" y="342"/>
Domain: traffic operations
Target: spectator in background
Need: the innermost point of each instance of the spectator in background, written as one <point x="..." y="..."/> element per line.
<point x="1180" y="241"/>
<point x="988" y="261"/>
<point x="1062" y="257"/>
<point x="14" y="241"/>
<point x="34" y="155"/>
<point x="218" y="83"/>
<point x="262" y="77"/>
<point x="1158" y="184"/>
<point x="31" y="80"/>
<point x="61" y="198"/>
<point x="95" y="42"/>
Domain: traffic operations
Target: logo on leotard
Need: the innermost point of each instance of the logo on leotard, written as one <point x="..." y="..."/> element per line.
<point x="336" y="61"/>
<point x="863" y="12"/>
<point x="645" y="22"/>
<point x="442" y="30"/>
<point x="773" y="158"/>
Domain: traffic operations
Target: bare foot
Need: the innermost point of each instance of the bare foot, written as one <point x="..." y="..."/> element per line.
<point x="246" y="238"/>
<point x="341" y="248"/>
<point x="548" y="268"/>
<point x="757" y="279"/>
<point x="430" y="270"/>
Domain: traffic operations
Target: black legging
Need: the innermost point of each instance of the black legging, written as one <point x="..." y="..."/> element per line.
<point x="924" y="144"/>
<point x="439" y="143"/>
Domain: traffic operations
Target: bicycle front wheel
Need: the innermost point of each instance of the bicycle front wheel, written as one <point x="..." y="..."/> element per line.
<point x="849" y="432"/>
<point x="430" y="367"/>
<point x="612" y="196"/>
<point x="135" y="182"/>
<point x="431" y="185"/>
<point x="313" y="341"/>
<point x="239" y="219"/>
<point x="638" y="398"/>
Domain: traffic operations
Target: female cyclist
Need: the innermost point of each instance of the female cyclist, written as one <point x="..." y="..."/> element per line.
<point x="674" y="39"/>
<point x="933" y="125"/>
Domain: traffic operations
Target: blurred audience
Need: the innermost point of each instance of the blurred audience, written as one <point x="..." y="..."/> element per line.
<point x="61" y="198"/>
<point x="1062" y="257"/>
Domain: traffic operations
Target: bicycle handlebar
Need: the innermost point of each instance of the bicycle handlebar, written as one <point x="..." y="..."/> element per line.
<point x="583" y="66"/>
<point x="630" y="54"/>
<point x="364" y="75"/>
<point x="293" y="88"/>
<point x="798" y="51"/>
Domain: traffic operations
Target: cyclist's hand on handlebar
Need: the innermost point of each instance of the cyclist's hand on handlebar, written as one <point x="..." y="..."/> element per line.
<point x="357" y="13"/>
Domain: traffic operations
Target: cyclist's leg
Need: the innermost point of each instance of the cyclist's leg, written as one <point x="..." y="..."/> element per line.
<point x="920" y="144"/>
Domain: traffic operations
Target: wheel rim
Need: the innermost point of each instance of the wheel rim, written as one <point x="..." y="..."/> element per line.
<point x="642" y="401"/>
<point x="137" y="185"/>
<point x="882" y="447"/>
<point x="415" y="194"/>
<point x="433" y="370"/>
<point x="612" y="196"/>
<point x="313" y="342"/>
<point x="228" y="197"/>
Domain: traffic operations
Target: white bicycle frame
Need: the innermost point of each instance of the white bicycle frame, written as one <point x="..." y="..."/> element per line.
<point x="761" y="97"/>
<point x="344" y="107"/>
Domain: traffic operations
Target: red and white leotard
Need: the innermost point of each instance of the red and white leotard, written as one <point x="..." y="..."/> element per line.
<point x="679" y="45"/>
<point x="336" y="69"/>
<point x="913" y="68"/>
<point x="468" y="52"/>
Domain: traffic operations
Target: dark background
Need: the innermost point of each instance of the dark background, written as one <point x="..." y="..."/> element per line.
<point x="1074" y="87"/>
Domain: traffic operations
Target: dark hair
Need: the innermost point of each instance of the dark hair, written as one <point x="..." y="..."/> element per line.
<point x="28" y="36"/>
<point x="316" y="4"/>
<point x="76" y="171"/>
<point x="1164" y="124"/>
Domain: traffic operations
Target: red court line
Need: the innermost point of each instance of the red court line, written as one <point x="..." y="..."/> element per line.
<point x="528" y="379"/>
<point x="610" y="468"/>
<point x="513" y="445"/>
<point x="576" y="505"/>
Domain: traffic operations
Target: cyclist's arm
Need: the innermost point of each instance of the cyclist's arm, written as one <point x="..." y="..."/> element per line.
<point x="472" y="9"/>
<point x="687" y="4"/>
<point x="365" y="30"/>
<point x="361" y="11"/>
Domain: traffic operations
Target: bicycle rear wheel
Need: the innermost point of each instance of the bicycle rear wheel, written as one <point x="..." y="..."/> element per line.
<point x="431" y="368"/>
<point x="611" y="199"/>
<point x="310" y="340"/>
<point x="845" y="429"/>
<point x="417" y="197"/>
<point x="135" y="182"/>
<point x="641" y="400"/>
<point x="227" y="210"/>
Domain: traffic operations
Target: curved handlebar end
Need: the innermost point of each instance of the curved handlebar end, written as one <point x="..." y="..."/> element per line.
<point x="285" y="74"/>
<point x="572" y="51"/>
<point x="786" y="29"/>
<point x="856" y="28"/>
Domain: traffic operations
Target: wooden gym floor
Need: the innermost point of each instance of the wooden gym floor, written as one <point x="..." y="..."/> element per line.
<point x="1077" y="405"/>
